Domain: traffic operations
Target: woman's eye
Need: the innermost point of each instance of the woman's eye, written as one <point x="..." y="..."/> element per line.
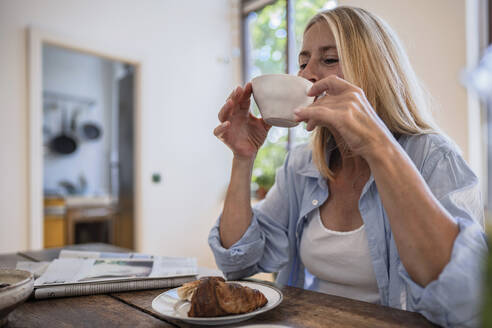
<point x="330" y="61"/>
<point x="302" y="66"/>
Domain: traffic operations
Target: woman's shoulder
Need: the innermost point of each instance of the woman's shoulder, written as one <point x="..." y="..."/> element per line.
<point x="435" y="152"/>
<point x="420" y="146"/>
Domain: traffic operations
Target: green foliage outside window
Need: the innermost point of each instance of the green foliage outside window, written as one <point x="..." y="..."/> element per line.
<point x="268" y="48"/>
<point x="268" y="30"/>
<point x="267" y="161"/>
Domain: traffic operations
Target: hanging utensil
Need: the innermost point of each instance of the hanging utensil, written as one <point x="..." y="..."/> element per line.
<point x="64" y="143"/>
<point x="91" y="131"/>
<point x="73" y="121"/>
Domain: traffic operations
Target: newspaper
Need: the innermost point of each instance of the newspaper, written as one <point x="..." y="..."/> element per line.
<point x="83" y="273"/>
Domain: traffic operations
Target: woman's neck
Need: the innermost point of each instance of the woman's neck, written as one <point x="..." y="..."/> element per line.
<point x="345" y="162"/>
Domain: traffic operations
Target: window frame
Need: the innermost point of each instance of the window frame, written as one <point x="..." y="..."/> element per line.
<point x="249" y="6"/>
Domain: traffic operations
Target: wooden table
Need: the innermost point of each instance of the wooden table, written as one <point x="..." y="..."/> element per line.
<point x="300" y="308"/>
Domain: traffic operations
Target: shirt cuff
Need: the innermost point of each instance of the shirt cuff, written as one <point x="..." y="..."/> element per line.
<point x="243" y="255"/>
<point x="454" y="298"/>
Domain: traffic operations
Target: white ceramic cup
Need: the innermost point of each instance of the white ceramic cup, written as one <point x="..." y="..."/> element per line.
<point x="279" y="95"/>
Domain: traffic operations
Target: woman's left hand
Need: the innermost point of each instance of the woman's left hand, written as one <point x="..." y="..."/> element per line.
<point x="345" y="109"/>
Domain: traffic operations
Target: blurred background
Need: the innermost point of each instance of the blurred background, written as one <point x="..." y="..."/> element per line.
<point x="108" y="108"/>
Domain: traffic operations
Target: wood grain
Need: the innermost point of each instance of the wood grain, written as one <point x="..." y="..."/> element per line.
<point x="303" y="308"/>
<point x="300" y="308"/>
<point x="88" y="311"/>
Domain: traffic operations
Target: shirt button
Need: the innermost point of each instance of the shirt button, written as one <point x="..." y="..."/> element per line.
<point x="315" y="202"/>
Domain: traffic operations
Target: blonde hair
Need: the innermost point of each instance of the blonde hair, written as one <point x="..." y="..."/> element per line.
<point x="373" y="59"/>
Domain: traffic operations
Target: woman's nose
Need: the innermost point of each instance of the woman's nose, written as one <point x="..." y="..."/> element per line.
<point x="309" y="73"/>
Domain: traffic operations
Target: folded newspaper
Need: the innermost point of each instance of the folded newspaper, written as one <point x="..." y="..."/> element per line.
<point x="77" y="273"/>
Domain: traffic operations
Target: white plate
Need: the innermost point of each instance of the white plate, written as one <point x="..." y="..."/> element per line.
<point x="169" y="306"/>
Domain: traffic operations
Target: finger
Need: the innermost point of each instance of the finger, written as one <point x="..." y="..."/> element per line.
<point x="329" y="100"/>
<point x="332" y="85"/>
<point x="232" y="93"/>
<point x="327" y="120"/>
<point x="248" y="89"/>
<point x="236" y="96"/>
<point x="307" y="113"/>
<point x="225" y="110"/>
<point x="321" y="114"/>
<point x="311" y="125"/>
<point x="246" y="97"/>
<point x="221" y="129"/>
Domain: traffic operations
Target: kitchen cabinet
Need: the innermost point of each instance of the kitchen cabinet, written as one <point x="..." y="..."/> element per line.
<point x="55" y="229"/>
<point x="75" y="220"/>
<point x="90" y="223"/>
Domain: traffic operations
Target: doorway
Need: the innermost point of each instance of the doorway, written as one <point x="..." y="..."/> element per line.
<point x="88" y="177"/>
<point x="83" y="165"/>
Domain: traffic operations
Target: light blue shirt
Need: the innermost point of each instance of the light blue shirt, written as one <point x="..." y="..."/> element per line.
<point x="271" y="242"/>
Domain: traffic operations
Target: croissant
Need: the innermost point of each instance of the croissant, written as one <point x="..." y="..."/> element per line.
<point x="186" y="291"/>
<point x="213" y="297"/>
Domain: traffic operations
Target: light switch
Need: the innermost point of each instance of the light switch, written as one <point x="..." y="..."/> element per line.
<point x="156" y="177"/>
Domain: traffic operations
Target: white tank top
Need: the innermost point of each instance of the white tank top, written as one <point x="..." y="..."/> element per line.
<point x="340" y="260"/>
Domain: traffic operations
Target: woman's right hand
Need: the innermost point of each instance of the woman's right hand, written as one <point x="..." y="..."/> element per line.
<point x="242" y="132"/>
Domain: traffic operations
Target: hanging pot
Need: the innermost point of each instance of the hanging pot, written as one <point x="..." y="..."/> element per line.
<point x="64" y="143"/>
<point x="91" y="131"/>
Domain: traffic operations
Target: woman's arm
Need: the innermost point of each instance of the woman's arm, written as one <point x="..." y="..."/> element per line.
<point x="424" y="232"/>
<point x="264" y="246"/>
<point x="245" y="240"/>
<point x="243" y="134"/>
<point x="237" y="213"/>
<point x="453" y="299"/>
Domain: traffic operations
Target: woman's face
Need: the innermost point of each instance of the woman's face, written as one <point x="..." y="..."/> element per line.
<point x="319" y="58"/>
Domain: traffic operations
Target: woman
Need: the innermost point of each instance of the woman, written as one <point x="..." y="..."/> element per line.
<point x="380" y="208"/>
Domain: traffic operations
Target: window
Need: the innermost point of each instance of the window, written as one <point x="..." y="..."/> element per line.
<point x="272" y="36"/>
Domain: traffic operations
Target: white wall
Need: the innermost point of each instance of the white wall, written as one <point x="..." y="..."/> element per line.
<point x="184" y="82"/>
<point x="91" y="77"/>
<point x="434" y="35"/>
<point x="182" y="87"/>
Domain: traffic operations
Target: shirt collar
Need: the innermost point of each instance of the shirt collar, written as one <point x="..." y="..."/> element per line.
<point x="309" y="168"/>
